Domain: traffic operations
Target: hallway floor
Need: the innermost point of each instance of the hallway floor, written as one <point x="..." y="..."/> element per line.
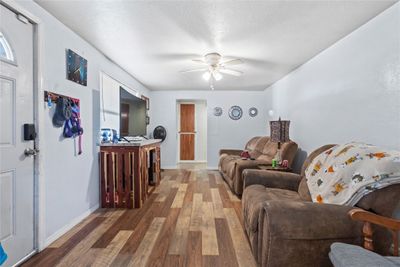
<point x="192" y="219"/>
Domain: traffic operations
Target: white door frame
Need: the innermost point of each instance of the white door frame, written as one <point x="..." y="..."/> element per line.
<point x="38" y="94"/>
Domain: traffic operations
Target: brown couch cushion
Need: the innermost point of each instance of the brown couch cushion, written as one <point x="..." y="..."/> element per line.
<point x="269" y="151"/>
<point x="227" y="162"/>
<point x="304" y="193"/>
<point x="222" y="158"/>
<point x="251" y="144"/>
<point x="382" y="201"/>
<point x="258" y="147"/>
<point x="233" y="164"/>
<point x="255" y="197"/>
<point x="230" y="167"/>
<point x="261" y="143"/>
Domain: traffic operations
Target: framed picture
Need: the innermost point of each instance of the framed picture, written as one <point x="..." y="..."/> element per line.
<point x="76" y="68"/>
<point x="147" y="101"/>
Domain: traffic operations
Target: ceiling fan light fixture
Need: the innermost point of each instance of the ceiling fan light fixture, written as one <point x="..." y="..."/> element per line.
<point x="207" y="75"/>
<point x="214" y="69"/>
<point x="217" y="76"/>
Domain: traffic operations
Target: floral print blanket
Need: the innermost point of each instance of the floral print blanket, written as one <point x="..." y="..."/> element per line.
<point x="345" y="173"/>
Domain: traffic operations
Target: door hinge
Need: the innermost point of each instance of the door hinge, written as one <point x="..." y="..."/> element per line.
<point x="22" y="19"/>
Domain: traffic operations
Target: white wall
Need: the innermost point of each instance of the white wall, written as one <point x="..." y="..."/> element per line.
<point x="222" y="131"/>
<point x="71" y="181"/>
<point x="350" y="91"/>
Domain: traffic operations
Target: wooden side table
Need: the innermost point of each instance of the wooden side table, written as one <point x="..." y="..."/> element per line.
<point x="277" y="168"/>
<point x="129" y="173"/>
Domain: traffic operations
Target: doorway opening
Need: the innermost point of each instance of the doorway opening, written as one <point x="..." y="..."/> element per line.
<point x="192" y="131"/>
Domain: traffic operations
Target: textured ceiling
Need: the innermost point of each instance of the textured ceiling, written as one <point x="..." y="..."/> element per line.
<point x="154" y="40"/>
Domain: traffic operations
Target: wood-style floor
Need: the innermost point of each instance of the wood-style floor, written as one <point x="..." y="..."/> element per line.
<point x="192" y="219"/>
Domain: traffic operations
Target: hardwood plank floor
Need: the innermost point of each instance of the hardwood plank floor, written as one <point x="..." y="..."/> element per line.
<point x="146" y="246"/>
<point x="191" y="219"/>
<point x="108" y="255"/>
<point x="242" y="250"/>
<point x="178" y="243"/>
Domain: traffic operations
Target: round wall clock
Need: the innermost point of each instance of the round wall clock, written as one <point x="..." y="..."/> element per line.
<point x="235" y="112"/>
<point x="217" y="111"/>
<point x="253" y="112"/>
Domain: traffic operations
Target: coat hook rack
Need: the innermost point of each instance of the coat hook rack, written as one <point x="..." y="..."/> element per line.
<point x="55" y="96"/>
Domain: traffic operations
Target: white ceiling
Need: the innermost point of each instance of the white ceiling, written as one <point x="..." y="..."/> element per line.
<point x="154" y="40"/>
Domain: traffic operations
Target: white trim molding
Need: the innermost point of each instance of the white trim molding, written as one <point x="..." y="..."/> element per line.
<point x="169" y="167"/>
<point x="191" y="161"/>
<point x="212" y="168"/>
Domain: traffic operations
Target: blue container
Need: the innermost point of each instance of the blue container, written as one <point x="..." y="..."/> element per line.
<point x="115" y="136"/>
<point x="108" y="135"/>
<point x="3" y="255"/>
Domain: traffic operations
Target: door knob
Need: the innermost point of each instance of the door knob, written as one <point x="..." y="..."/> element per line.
<point x="29" y="152"/>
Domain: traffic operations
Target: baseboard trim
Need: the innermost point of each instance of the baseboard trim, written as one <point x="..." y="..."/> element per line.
<point x="24" y="259"/>
<point x="69" y="226"/>
<point x="192" y="161"/>
<point x="172" y="167"/>
<point x="169" y="167"/>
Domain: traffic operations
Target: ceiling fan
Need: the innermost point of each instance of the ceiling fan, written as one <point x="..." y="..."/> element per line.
<point x="214" y="67"/>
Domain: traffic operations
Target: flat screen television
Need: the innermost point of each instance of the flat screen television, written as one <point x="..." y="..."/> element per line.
<point x="132" y="114"/>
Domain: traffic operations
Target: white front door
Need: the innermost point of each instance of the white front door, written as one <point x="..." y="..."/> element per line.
<point x="16" y="109"/>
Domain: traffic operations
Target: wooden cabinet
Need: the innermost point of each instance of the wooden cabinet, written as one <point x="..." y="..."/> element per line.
<point x="129" y="173"/>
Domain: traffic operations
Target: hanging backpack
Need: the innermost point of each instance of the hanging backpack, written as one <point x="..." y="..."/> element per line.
<point x="72" y="126"/>
<point x="63" y="111"/>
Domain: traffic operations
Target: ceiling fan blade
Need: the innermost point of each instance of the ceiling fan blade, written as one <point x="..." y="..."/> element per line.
<point x="232" y="62"/>
<point x="231" y="72"/>
<point x="199" y="61"/>
<point x="194" y="70"/>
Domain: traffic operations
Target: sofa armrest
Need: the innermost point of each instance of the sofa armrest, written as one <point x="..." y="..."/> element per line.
<point x="366" y="216"/>
<point x="369" y="218"/>
<point x="272" y="179"/>
<point x="235" y="152"/>
<point x="297" y="220"/>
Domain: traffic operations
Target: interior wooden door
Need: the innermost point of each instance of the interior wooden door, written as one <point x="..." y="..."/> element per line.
<point x="187" y="131"/>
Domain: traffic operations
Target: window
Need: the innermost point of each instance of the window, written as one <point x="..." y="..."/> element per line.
<point x="5" y="49"/>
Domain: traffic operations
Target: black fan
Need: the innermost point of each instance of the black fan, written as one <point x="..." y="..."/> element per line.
<point x="160" y="133"/>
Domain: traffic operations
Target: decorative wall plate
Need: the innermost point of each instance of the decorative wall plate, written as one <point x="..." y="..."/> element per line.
<point x="235" y="112"/>
<point x="253" y="112"/>
<point x="217" y="111"/>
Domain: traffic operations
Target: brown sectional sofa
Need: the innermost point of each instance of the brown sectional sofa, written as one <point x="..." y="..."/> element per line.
<point x="262" y="149"/>
<point x="286" y="229"/>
